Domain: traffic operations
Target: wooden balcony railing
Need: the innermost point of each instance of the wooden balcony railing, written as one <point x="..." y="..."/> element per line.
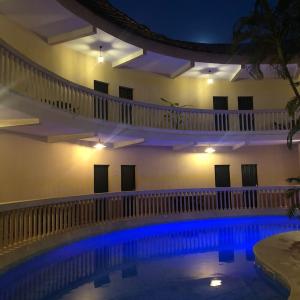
<point x="27" y="78"/>
<point x="23" y="222"/>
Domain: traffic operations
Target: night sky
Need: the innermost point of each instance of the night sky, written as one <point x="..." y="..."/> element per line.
<point x="206" y="21"/>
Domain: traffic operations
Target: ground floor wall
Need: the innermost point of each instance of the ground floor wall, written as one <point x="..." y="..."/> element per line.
<point x="34" y="169"/>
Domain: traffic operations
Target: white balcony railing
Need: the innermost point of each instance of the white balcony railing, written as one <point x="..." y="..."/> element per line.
<point x="28" y="221"/>
<point x="27" y="78"/>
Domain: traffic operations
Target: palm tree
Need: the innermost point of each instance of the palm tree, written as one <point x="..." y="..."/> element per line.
<point x="271" y="35"/>
<point x="290" y="193"/>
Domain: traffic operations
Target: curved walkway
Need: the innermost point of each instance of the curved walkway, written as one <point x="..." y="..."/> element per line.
<point x="279" y="255"/>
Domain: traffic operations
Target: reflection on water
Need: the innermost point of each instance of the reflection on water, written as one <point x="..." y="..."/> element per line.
<point x="210" y="259"/>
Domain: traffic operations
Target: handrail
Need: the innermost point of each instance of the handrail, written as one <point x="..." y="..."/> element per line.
<point x="30" y="79"/>
<point x="23" y="222"/>
<point x="37" y="202"/>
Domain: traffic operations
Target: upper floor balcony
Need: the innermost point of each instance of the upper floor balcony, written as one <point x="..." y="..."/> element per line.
<point x="25" y="77"/>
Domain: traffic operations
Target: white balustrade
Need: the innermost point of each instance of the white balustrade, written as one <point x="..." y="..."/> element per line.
<point x="23" y="222"/>
<point x="22" y="75"/>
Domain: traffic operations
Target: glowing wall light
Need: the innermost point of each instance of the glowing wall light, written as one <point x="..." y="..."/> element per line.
<point x="210" y="81"/>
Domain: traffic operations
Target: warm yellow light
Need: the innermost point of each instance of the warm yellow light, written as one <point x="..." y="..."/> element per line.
<point x="99" y="146"/>
<point x="100" y="59"/>
<point x="210" y="150"/>
<point x="215" y="282"/>
<point x="210" y="81"/>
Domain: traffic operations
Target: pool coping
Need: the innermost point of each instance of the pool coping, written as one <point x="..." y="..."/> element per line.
<point x="279" y="256"/>
<point x="23" y="252"/>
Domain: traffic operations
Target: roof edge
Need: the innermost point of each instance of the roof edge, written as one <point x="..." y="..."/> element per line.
<point x="101" y="14"/>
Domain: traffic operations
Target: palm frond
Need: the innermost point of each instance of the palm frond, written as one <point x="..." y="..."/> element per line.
<point x="292" y="132"/>
<point x="293" y="106"/>
<point x="175" y="104"/>
<point x="166" y="101"/>
<point x="254" y="71"/>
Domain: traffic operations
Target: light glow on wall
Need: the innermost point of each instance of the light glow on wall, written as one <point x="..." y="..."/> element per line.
<point x="99" y="146"/>
<point x="210" y="81"/>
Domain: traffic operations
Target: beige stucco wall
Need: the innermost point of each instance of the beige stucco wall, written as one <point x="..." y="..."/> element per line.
<point x="34" y="169"/>
<point x="147" y="87"/>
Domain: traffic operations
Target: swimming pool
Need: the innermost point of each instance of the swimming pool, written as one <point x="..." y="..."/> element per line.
<point x="208" y="259"/>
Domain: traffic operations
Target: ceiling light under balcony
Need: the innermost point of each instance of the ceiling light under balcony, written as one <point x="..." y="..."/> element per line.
<point x="100" y="58"/>
<point x="215" y="282"/>
<point x="210" y="150"/>
<point x="99" y="145"/>
<point x="210" y="80"/>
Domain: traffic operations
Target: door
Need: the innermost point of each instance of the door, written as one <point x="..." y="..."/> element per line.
<point x="249" y="179"/>
<point x="100" y="178"/>
<point x="221" y="118"/>
<point x="249" y="175"/>
<point x="101" y="186"/>
<point x="126" y="113"/>
<point x="128" y="184"/>
<point x="101" y="104"/>
<point x="127" y="177"/>
<point x="222" y="179"/>
<point x="246" y="119"/>
<point x="222" y="176"/>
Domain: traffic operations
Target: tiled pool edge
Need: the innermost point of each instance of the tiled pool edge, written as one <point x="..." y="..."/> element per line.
<point x="274" y="256"/>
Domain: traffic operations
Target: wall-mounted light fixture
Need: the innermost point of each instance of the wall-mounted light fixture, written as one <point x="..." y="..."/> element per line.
<point x="100" y="57"/>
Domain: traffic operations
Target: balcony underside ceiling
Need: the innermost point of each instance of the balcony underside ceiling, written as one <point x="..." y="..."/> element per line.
<point x="55" y="24"/>
<point x="58" y="126"/>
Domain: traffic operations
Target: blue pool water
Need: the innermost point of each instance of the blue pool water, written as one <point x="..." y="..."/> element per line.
<point x="210" y="259"/>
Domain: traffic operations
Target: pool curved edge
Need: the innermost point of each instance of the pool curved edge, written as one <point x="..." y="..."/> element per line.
<point x="12" y="257"/>
<point x="279" y="256"/>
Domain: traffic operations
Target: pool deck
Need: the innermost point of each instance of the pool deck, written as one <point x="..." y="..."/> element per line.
<point x="279" y="255"/>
